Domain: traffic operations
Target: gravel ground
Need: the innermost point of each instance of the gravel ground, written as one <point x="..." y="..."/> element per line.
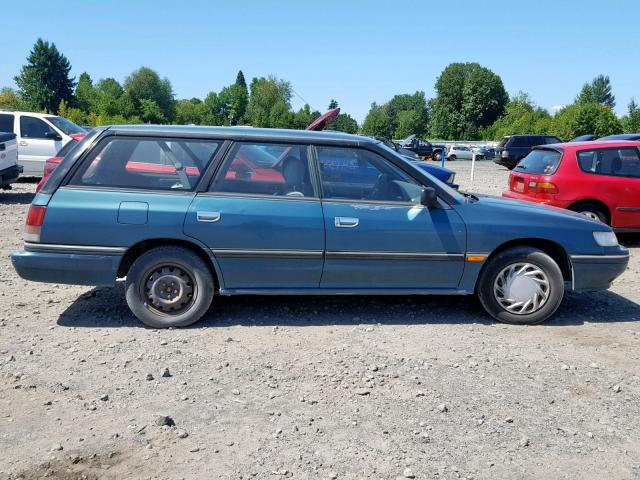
<point x="346" y="388"/>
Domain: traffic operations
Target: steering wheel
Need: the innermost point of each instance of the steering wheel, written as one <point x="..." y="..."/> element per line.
<point x="385" y="189"/>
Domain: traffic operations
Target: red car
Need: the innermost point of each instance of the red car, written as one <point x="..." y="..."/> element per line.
<point x="600" y="179"/>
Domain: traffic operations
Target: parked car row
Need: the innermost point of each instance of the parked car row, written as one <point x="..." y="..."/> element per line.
<point x="9" y="168"/>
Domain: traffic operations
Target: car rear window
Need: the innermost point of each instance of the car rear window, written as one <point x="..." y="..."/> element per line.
<point x="618" y="162"/>
<point x="146" y="163"/>
<point x="504" y="141"/>
<point x="540" y="161"/>
<point x="6" y="122"/>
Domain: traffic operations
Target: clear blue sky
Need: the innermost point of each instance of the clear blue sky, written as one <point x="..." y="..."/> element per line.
<point x="354" y="51"/>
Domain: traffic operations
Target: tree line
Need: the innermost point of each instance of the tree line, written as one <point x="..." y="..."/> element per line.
<point x="471" y="103"/>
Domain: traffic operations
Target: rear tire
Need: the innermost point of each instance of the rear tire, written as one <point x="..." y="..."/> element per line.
<point x="591" y="211"/>
<point x="169" y="287"/>
<point x="437" y="156"/>
<point x="451" y="158"/>
<point x="521" y="285"/>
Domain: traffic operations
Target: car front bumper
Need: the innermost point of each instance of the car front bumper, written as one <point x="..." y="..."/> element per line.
<point x="40" y="263"/>
<point x="10" y="175"/>
<point x="597" y="272"/>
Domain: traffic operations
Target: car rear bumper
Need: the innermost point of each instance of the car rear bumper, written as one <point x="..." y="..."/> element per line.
<point x="528" y="198"/>
<point x="10" y="175"/>
<point x="597" y="272"/>
<point x="54" y="264"/>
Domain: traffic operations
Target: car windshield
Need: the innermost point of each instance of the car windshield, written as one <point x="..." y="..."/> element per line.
<point x="540" y="161"/>
<point x="66" y="149"/>
<point x="503" y="142"/>
<point x="454" y="193"/>
<point x="67" y="126"/>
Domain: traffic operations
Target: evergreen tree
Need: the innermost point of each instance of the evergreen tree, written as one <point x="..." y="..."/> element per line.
<point x="44" y="81"/>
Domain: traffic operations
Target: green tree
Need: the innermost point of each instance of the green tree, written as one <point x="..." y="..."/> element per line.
<point x="71" y="113"/>
<point x="266" y="95"/>
<point x="146" y="84"/>
<point x="302" y="118"/>
<point x="377" y="122"/>
<point x="469" y="97"/>
<point x="189" y="111"/>
<point x="344" y="123"/>
<point x="150" y="112"/>
<point x="415" y="118"/>
<point x="597" y="91"/>
<point x="85" y="93"/>
<point x="333" y="104"/>
<point x="582" y="119"/>
<point x="631" y="121"/>
<point x="11" y="99"/>
<point x="521" y="116"/>
<point x="44" y="81"/>
<point x="240" y="98"/>
<point x="408" y="122"/>
<point x="108" y="102"/>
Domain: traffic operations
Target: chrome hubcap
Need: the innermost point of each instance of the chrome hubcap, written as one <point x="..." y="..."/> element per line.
<point x="521" y="288"/>
<point x="169" y="289"/>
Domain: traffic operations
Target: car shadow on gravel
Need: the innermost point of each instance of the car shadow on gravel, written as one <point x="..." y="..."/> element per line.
<point x="106" y="307"/>
<point x="7" y="197"/>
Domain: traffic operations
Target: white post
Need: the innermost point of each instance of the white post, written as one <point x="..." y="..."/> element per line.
<point x="473" y="166"/>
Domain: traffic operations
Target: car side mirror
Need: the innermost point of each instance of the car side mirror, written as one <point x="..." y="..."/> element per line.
<point x="429" y="197"/>
<point x="52" y="136"/>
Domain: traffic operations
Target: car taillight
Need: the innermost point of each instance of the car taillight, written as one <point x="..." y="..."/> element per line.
<point x="35" y="219"/>
<point x="505" y="153"/>
<point x="78" y="136"/>
<point x="49" y="166"/>
<point x="542" y="187"/>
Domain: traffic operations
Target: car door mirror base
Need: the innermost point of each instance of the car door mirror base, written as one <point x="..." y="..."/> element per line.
<point x="429" y="197"/>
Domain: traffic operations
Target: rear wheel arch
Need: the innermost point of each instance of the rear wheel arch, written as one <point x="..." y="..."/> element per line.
<point x="144" y="246"/>
<point x="597" y="203"/>
<point x="551" y="248"/>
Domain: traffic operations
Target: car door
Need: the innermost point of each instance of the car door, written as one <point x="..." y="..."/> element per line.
<point x="262" y="218"/>
<point x="38" y="142"/>
<point x="378" y="235"/>
<point x="616" y="182"/>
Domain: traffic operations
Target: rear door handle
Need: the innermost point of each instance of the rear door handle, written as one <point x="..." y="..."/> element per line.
<point x="208" y="217"/>
<point x="346" y="222"/>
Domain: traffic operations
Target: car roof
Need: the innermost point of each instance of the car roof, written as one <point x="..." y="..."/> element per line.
<point x="622" y="136"/>
<point x="20" y="112"/>
<point x="590" y="144"/>
<point x="240" y="133"/>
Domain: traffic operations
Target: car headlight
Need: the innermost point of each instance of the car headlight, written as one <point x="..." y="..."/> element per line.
<point x="606" y="239"/>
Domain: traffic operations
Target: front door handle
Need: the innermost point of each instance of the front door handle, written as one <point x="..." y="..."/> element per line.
<point x="346" y="222"/>
<point x="208" y="217"/>
<point x="22" y="143"/>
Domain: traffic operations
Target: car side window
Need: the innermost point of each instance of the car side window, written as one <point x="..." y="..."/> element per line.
<point x="359" y="174"/>
<point x="6" y="122"/>
<point x="146" y="163"/>
<point x="280" y="170"/>
<point x="518" y="142"/>
<point x="32" y="127"/>
<point x="619" y="162"/>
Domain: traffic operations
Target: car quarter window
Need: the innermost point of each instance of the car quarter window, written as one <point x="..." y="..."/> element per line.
<point x="619" y="162"/>
<point x="6" y="122"/>
<point x="280" y="170"/>
<point x="146" y="163"/>
<point x="359" y="174"/>
<point x="32" y="127"/>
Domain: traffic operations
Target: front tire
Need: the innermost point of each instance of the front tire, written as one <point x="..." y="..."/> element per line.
<point x="451" y="158"/>
<point x="521" y="285"/>
<point x="169" y="287"/>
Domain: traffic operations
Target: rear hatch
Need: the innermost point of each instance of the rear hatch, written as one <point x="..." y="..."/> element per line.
<point x="533" y="174"/>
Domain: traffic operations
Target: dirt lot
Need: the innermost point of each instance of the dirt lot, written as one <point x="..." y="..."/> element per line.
<point x="346" y="388"/>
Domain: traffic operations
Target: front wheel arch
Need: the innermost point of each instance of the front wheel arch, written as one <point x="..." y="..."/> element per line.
<point x="551" y="248"/>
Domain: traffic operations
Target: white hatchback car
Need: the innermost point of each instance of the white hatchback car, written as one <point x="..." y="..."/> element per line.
<point x="40" y="136"/>
<point x="459" y="152"/>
